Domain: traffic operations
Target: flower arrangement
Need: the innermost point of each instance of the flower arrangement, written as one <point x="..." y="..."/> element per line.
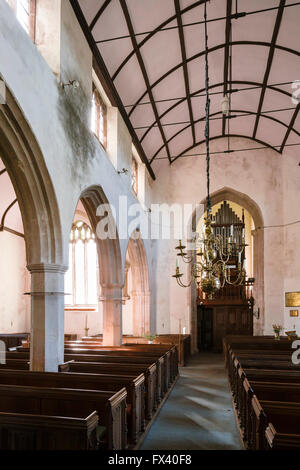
<point x="277" y="329"/>
<point x="149" y="337"/>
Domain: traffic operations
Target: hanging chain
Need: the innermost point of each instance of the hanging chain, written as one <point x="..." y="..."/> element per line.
<point x="207" y="113"/>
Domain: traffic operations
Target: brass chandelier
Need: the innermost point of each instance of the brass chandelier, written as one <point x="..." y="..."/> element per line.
<point x="212" y="266"/>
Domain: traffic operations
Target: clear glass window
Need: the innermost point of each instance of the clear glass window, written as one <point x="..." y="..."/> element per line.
<point x="81" y="279"/>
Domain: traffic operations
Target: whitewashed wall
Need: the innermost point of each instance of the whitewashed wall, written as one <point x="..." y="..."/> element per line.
<point x="291" y="206"/>
<point x="60" y="118"/>
<point x="75" y="161"/>
<point x="259" y="175"/>
<point x="14" y="277"/>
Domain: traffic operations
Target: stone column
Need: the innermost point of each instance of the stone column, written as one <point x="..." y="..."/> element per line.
<point x="141" y="315"/>
<point x="193" y="318"/>
<point x="47" y="316"/>
<point x="125" y="295"/>
<point x="112" y="316"/>
<point x="258" y="274"/>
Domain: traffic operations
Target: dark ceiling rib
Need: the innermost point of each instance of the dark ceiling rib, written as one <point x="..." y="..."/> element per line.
<point x="245" y="113"/>
<point x="161" y="27"/>
<point x="101" y="70"/>
<point x="185" y="67"/>
<point x="194" y="23"/>
<point x="247" y="149"/>
<point x="14" y="232"/>
<point x="201" y="95"/>
<point x="216" y="85"/>
<point x="167" y="21"/>
<point x="213" y="49"/>
<point x="216" y="137"/>
<point x="3" y="171"/>
<point x="144" y="73"/>
<point x="5" y="214"/>
<point x="99" y="13"/>
<point x="269" y="62"/>
<point x="226" y="54"/>
<point x="248" y="113"/>
<point x="290" y="128"/>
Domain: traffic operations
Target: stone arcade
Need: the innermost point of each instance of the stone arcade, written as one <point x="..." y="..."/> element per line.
<point x="103" y="106"/>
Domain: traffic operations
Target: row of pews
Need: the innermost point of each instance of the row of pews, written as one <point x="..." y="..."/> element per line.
<point x="265" y="386"/>
<point x="181" y="341"/>
<point x="101" y="398"/>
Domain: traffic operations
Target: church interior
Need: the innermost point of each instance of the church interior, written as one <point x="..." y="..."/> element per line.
<point x="149" y="225"/>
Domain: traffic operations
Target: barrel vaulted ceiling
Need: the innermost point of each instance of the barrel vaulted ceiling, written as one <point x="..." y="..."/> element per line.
<point x="151" y="53"/>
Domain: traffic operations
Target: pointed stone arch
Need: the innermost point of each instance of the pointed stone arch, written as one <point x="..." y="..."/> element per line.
<point x="27" y="170"/>
<point x="110" y="269"/>
<point x="230" y="194"/>
<point x="109" y="250"/>
<point x="26" y="167"/>
<point x="140" y="282"/>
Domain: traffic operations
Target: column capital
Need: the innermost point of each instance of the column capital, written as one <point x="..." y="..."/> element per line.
<point x="47" y="268"/>
<point x="141" y="292"/>
<point x="257" y="230"/>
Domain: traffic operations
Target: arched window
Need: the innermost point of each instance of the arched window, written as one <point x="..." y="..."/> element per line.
<point x="25" y="13"/>
<point x="134" y="176"/>
<point x="81" y="280"/>
<point x="98" y="117"/>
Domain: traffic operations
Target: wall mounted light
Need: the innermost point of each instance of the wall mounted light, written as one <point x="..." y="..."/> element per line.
<point x="255" y="313"/>
<point x="124" y="171"/>
<point x="225" y="105"/>
<point x="72" y="83"/>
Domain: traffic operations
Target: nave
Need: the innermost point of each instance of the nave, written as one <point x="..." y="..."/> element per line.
<point x="198" y="414"/>
<point x="149" y="192"/>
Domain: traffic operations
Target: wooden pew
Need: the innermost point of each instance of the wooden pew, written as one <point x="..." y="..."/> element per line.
<point x="273" y="354"/>
<point x="139" y="379"/>
<point x="165" y="371"/>
<point x="151" y="397"/>
<point x="264" y="356"/>
<point x="13" y="340"/>
<point x="19" y="364"/>
<point x="249" y="409"/>
<point x="286" y="376"/>
<point x="41" y="401"/>
<point x="182" y="343"/>
<point x="267" y="397"/>
<point x="281" y="441"/>
<point x="153" y="376"/>
<point x="257" y="342"/>
<point x="170" y="350"/>
<point x="19" y="431"/>
<point x="160" y="354"/>
<point x="284" y="417"/>
<point x="152" y="368"/>
<point x="160" y="361"/>
<point x="112" y="412"/>
<point x="268" y="364"/>
<point x="269" y="368"/>
<point x="158" y="349"/>
<point x="135" y="386"/>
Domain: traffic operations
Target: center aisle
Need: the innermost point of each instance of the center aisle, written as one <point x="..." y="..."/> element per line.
<point x="198" y="414"/>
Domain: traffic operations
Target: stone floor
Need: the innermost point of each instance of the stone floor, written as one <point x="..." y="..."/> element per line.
<point x="198" y="413"/>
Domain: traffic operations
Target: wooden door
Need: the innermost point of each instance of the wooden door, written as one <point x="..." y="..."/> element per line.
<point x="205" y="328"/>
<point x="231" y="320"/>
